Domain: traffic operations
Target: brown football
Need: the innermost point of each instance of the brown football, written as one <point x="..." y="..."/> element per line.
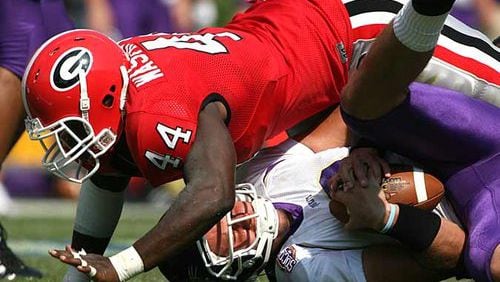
<point x="407" y="185"/>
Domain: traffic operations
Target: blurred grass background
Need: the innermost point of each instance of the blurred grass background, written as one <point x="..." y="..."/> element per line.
<point x="35" y="226"/>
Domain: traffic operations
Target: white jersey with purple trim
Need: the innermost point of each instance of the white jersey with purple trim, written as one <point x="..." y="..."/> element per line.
<point x="464" y="60"/>
<point x="319" y="246"/>
<point x="289" y="175"/>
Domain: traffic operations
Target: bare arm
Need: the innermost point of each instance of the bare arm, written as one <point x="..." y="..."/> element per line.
<point x="381" y="83"/>
<point x="392" y="263"/>
<point x="208" y="195"/>
<point x="330" y="133"/>
<point x="445" y="250"/>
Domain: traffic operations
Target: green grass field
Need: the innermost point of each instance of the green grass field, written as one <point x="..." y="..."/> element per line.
<point x="39" y="225"/>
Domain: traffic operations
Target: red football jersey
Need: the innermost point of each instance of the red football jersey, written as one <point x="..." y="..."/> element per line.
<point x="274" y="65"/>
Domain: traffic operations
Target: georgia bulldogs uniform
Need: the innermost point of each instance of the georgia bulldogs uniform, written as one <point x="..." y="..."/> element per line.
<point x="465" y="60"/>
<point x="173" y="76"/>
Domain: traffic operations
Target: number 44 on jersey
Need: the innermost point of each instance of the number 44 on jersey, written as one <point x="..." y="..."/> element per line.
<point x="170" y="137"/>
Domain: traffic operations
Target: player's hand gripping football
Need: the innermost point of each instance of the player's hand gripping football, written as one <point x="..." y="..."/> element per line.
<point x="98" y="268"/>
<point x="367" y="207"/>
<point x="361" y="164"/>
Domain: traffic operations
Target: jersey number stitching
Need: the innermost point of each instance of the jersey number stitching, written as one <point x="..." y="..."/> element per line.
<point x="199" y="42"/>
<point x="170" y="137"/>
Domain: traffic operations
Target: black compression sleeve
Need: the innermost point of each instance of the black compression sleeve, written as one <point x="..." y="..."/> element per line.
<point x="415" y="228"/>
<point x="91" y="245"/>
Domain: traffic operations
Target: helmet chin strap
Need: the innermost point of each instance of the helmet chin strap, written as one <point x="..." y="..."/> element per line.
<point x="84" y="96"/>
<point x="123" y="94"/>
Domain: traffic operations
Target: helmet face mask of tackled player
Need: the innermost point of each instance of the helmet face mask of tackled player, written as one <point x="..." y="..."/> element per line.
<point x="235" y="251"/>
<point x="240" y="245"/>
<point x="74" y="91"/>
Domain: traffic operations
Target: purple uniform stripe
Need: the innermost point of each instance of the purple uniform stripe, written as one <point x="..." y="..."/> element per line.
<point x="295" y="212"/>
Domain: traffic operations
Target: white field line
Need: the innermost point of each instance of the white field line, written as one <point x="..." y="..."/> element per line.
<point x="38" y="248"/>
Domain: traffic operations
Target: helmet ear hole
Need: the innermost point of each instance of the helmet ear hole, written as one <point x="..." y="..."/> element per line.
<point x="108" y="101"/>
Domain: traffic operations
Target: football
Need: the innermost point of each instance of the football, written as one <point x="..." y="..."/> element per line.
<point x="407" y="185"/>
<point x="410" y="185"/>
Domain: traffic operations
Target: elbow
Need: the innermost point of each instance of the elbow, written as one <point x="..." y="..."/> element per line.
<point x="224" y="206"/>
<point x="216" y="198"/>
<point x="224" y="198"/>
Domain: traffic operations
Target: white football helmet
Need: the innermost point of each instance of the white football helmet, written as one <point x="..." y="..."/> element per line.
<point x="256" y="255"/>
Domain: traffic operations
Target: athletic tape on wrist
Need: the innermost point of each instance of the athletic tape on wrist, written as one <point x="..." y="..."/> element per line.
<point x="418" y="32"/>
<point x="127" y="263"/>
<point x="390" y="221"/>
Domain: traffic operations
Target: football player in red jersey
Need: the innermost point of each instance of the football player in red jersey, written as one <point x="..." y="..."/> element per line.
<point x="165" y="106"/>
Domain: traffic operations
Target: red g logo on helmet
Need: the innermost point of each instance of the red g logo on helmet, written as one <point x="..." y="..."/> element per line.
<point x="65" y="72"/>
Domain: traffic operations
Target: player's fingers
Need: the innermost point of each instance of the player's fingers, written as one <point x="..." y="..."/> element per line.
<point x="339" y="211"/>
<point x="345" y="174"/>
<point x="64" y="256"/>
<point x="92" y="272"/>
<point x="385" y="167"/>
<point x="360" y="171"/>
<point x="84" y="269"/>
<point x="336" y="195"/>
<point x="342" y="196"/>
<point x="374" y="171"/>
<point x="70" y="260"/>
<point x="69" y="249"/>
<point x="68" y="256"/>
<point x="332" y="182"/>
<point x="383" y="196"/>
<point x="335" y="183"/>
<point x="56" y="253"/>
<point x="374" y="185"/>
<point x="89" y="270"/>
